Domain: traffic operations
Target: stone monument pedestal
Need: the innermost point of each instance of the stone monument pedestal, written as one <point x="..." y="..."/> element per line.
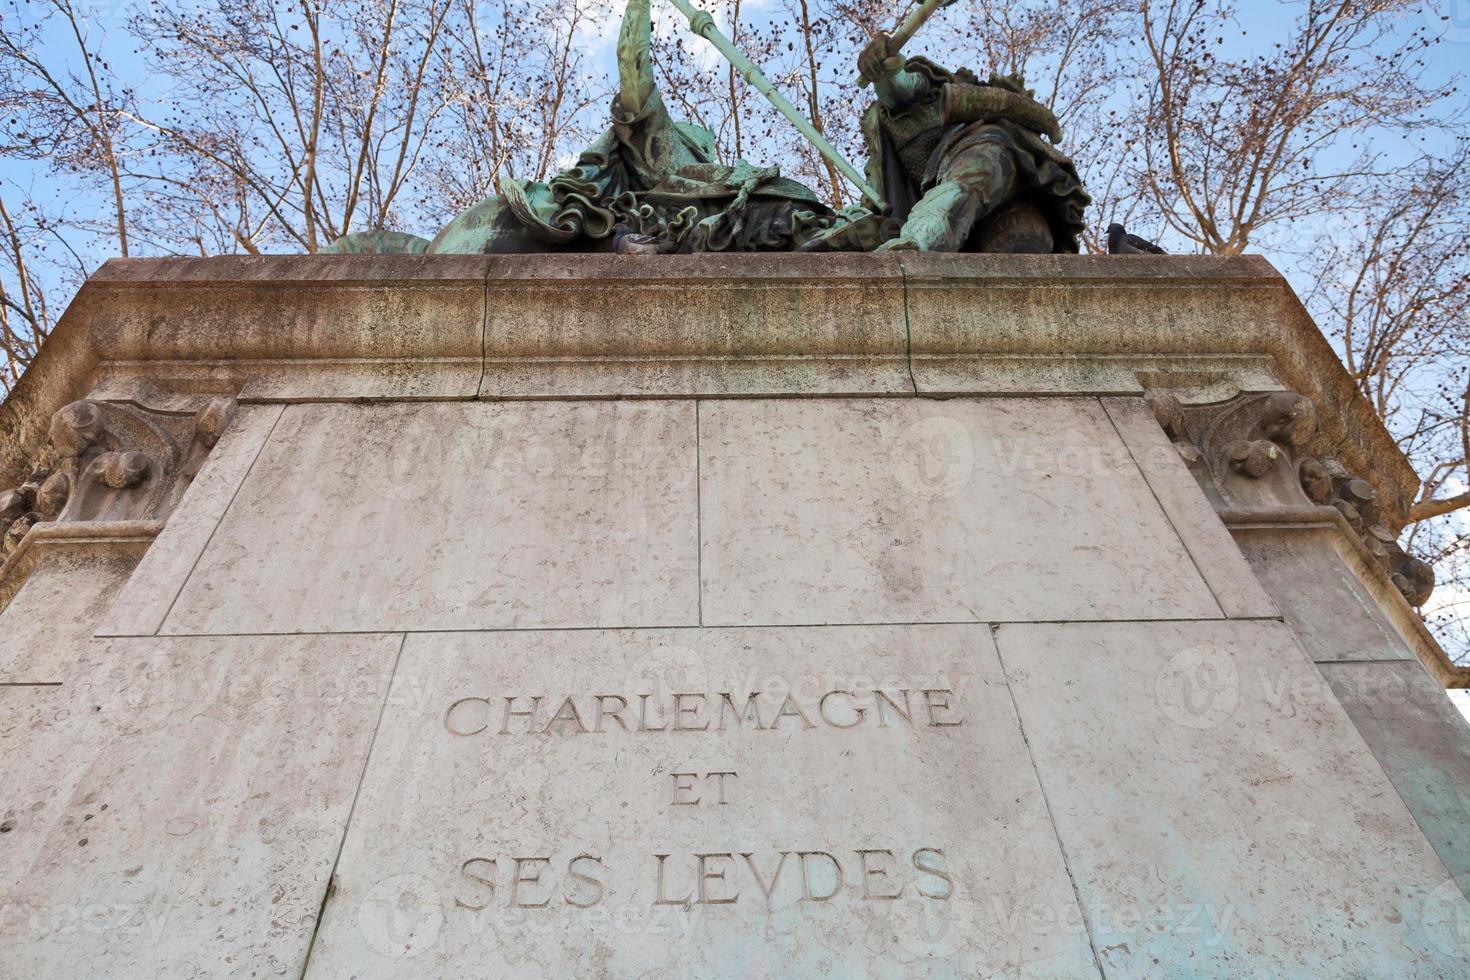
<point x="746" y="616"/>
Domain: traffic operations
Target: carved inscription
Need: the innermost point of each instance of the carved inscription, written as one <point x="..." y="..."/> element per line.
<point x="709" y="878"/>
<point x="602" y="714"/>
<point x="773" y="876"/>
<point x="687" y="791"/>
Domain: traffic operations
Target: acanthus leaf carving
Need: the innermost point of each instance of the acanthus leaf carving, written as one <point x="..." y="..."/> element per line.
<point x="1250" y="452"/>
<point x="113" y="461"/>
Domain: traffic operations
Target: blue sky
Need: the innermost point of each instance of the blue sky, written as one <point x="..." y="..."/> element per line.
<point x="1449" y="19"/>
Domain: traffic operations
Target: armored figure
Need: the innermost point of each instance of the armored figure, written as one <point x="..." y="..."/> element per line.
<point x="955" y="164"/>
<point x="962" y="163"/>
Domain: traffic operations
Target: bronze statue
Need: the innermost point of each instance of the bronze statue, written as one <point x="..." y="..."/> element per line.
<point x="962" y="163"/>
<point x="648" y="184"/>
<point x="955" y="164"/>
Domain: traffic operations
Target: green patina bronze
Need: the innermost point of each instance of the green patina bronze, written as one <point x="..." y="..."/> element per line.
<point x="701" y="23"/>
<point x="377" y="243"/>
<point x="955" y="164"/>
<point x="962" y="163"/>
<point x="648" y="184"/>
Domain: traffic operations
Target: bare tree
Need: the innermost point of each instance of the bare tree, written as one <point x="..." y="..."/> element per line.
<point x="25" y="319"/>
<point x="67" y="113"/>
<point x="1233" y="145"/>
<point x="1396" y="296"/>
<point x="294" y="125"/>
<point x="1393" y="290"/>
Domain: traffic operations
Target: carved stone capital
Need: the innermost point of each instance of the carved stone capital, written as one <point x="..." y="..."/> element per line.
<point x="114" y="462"/>
<point x="1250" y="452"/>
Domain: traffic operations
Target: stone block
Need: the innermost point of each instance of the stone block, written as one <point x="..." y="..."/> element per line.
<point x="1320" y="596"/>
<point x="1422" y="742"/>
<point x="292" y="327"/>
<point x="47" y="624"/>
<point x="604" y="325"/>
<point x="1189" y="511"/>
<point x="1219" y="813"/>
<point x="176" y="808"/>
<point x="869" y="511"/>
<point x="568" y="842"/>
<point x="150" y="592"/>
<point x="454" y="516"/>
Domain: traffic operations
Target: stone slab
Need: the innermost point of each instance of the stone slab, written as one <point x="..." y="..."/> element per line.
<point x="47" y="624"/>
<point x="299" y="380"/>
<point x="963" y="875"/>
<point x="1422" y="742"/>
<point x="454" y="516"/>
<point x="1322" y="599"/>
<point x="1219" y="812"/>
<point x="28" y="714"/>
<point x="149" y="594"/>
<point x="963" y="307"/>
<point x="389" y="307"/>
<point x="401" y="315"/>
<point x="872" y="511"/>
<point x="1208" y="541"/>
<point x="938" y="375"/>
<point x="660" y="326"/>
<point x="32" y="750"/>
<point x="179" y="812"/>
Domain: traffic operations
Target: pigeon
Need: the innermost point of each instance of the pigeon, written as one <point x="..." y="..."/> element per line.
<point x="1122" y="243"/>
<point x="628" y="242"/>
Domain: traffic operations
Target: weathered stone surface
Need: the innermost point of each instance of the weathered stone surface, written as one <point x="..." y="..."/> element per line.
<point x="882" y="511"/>
<point x="344" y="306"/>
<point x="1218" y="811"/>
<point x="47" y="624"/>
<point x="940" y="375"/>
<point x="578" y="325"/>
<point x="952" y="789"/>
<point x="152" y="589"/>
<point x="1209" y="543"/>
<point x="1327" y="606"/>
<point x="1422" y="742"/>
<point x="455" y="516"/>
<point x="61" y="372"/>
<point x="29" y="755"/>
<point x="444" y="462"/>
<point x="360" y="326"/>
<point x="965" y="308"/>
<point x="176" y="808"/>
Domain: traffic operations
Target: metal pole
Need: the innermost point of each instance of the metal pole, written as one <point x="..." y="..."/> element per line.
<point x="915" y="20"/>
<point x="701" y="23"/>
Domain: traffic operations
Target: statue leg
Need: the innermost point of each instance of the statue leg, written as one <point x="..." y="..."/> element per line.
<point x="970" y="187"/>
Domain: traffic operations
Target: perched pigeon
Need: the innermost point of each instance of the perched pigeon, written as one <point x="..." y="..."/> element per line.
<point x="628" y="242"/>
<point x="1122" y="243"/>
